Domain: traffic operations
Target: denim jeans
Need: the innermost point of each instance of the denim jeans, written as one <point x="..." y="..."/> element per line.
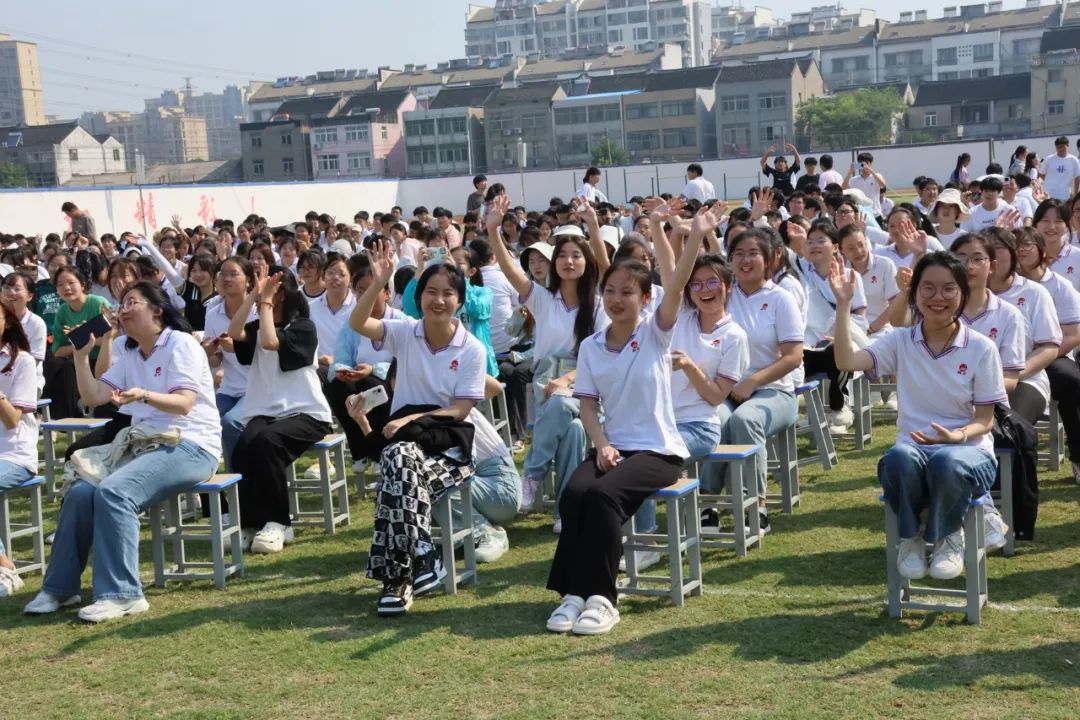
<point x="700" y="438"/>
<point x="496" y="494"/>
<point x="231" y="411"/>
<point x="106" y="517"/>
<point x="558" y="436"/>
<point x="942" y="481"/>
<point x="765" y="414"/>
<point x="11" y="475"/>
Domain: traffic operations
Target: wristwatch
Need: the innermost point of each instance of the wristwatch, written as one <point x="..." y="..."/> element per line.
<point x="3" y="396"/>
<point x="146" y="396"/>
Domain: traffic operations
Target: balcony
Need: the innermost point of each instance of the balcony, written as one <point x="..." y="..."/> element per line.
<point x="1056" y="59"/>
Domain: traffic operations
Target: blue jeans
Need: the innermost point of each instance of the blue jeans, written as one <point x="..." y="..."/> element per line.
<point x="942" y="481"/>
<point x="496" y="494"/>
<point x="558" y="436"/>
<point x="765" y="414"/>
<point x="700" y="438"/>
<point x="231" y="411"/>
<point x="11" y="475"/>
<point x="106" y="517"/>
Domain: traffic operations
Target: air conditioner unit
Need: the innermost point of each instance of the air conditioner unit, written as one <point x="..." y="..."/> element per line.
<point x="508" y="133"/>
<point x="317" y="147"/>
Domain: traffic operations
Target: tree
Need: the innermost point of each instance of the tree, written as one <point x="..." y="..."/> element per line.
<point x="12" y="175"/>
<point x="850" y="119"/>
<point x="608" y="153"/>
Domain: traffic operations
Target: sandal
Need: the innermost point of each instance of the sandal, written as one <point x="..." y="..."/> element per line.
<point x="599" y="617"/>
<point x="564" y="617"/>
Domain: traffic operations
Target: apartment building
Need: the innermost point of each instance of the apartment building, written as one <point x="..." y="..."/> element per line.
<point x="1055" y="79"/>
<point x="672" y="118"/>
<point x="585" y="122"/>
<point x="365" y="137"/>
<point x="22" y="99"/>
<point x="447" y="136"/>
<point x="973" y="107"/>
<point x="54" y="154"/>
<point x="276" y="150"/>
<point x="173" y="136"/>
<point x="521" y="114"/>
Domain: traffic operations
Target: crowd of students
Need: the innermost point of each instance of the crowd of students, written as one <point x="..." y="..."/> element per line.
<point x="651" y="332"/>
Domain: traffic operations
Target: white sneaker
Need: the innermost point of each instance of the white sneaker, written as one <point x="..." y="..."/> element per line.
<point x="226" y="520"/>
<point x="10" y="582"/>
<point x="44" y="603"/>
<point x="645" y="560"/>
<point x="891" y="403"/>
<point x="492" y="545"/>
<point x="359" y="467"/>
<point x="312" y="473"/>
<point x="840" y="420"/>
<point x="112" y="609"/>
<point x="948" y="558"/>
<point x="557" y="527"/>
<point x="911" y="558"/>
<point x="246" y="536"/>
<point x="598" y="618"/>
<point x="996" y="529"/>
<point x="530" y="488"/>
<point x="272" y="538"/>
<point x="564" y="617"/>
<point x="50" y="538"/>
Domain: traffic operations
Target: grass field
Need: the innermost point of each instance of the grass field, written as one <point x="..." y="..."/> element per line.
<point x="794" y="630"/>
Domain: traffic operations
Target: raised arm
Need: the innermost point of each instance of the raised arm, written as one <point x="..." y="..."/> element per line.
<point x="509" y="266"/>
<point x="382" y="269"/>
<point x="765" y="156"/>
<point x="843" y="288"/>
<point x="167" y="269"/>
<point x="658" y="211"/>
<point x="596" y="242"/>
<point x="705" y="221"/>
<point x="797" y="165"/>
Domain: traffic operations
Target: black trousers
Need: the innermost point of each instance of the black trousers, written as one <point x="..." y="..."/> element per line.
<point x="263" y="454"/>
<point x="518" y="377"/>
<point x="360" y="446"/>
<point x="817" y="362"/>
<point x="1027" y="402"/>
<point x="593" y="508"/>
<point x="60" y="387"/>
<point x="1064" y="376"/>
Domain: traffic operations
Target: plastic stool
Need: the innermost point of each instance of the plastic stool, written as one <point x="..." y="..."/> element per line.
<point x="34" y="529"/>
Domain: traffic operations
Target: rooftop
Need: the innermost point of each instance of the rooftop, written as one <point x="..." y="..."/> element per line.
<point x="41" y="134"/>
<point x="843" y="38"/>
<point x="300" y="107"/>
<point x="386" y="101"/>
<point x="471" y="96"/>
<point x="528" y="93"/>
<point x="1066" y="38"/>
<point x="949" y="92"/>
<point x="699" y="77"/>
<point x="268" y="92"/>
<point x="759" y="71"/>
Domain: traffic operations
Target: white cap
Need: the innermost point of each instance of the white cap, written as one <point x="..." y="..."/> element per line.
<point x="571" y="230"/>
<point x="611" y="235"/>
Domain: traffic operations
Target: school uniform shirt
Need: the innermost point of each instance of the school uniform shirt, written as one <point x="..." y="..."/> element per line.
<point x="942" y="388"/>
<point x="830" y="177"/>
<point x="1025" y="206"/>
<point x="633" y="384"/>
<point x="770" y="318"/>
<point x="1041" y="325"/>
<point x="176" y="362"/>
<point x="235" y="374"/>
<point x="821" y="306"/>
<point x="947" y="239"/>
<point x="38" y="336"/>
<point x="890" y="251"/>
<point x="433" y="376"/>
<point x="312" y="298"/>
<point x="787" y="281"/>
<point x="869" y="187"/>
<point x="328" y="322"/>
<point x="283" y="382"/>
<point x="879" y="285"/>
<point x="877" y="237"/>
<point x="981" y="218"/>
<point x="1067" y="265"/>
<point x="353" y="349"/>
<point x="1066" y="300"/>
<point x="1059" y="172"/>
<point x="19" y="383"/>
<point x="1003" y="325"/>
<point x="699" y="189"/>
<point x="195" y="305"/>
<point x="591" y="193"/>
<point x="721" y="352"/>
<point x="503" y="305"/>
<point x="555" y="321"/>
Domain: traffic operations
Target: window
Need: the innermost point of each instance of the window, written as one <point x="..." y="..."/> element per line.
<point x="649" y="140"/>
<point x="256" y="141"/>
<point x="641" y="33"/>
<point x="1055" y="75"/>
<point x="604" y="113"/>
<point x="116" y="155"/>
<point x="1055" y="107"/>
<point x="862" y="63"/>
<point x="1016" y="111"/>
<point x="450" y="126"/>
<point x="735" y="138"/>
<point x="287" y="166"/>
<point x="357" y="161"/>
<point x="680" y="137"/>
<point x="499" y="122"/>
<point x="328" y="162"/>
<point x="772" y="101"/>
<point x="735" y="103"/>
<point x="675" y="108"/>
<point x="614" y="36"/>
<point x="946" y="56"/>
<point x="257" y="167"/>
<point x="73" y="154"/>
<point x="324" y="136"/>
<point x="929" y="120"/>
<point x="983" y="52"/>
<point x="536" y="121"/>
<point x="454" y="153"/>
<point x="286" y="138"/>
<point x="414" y="128"/>
<point x="982" y="72"/>
<point x="641" y="110"/>
<point x="356" y="133"/>
<point x="773" y="132"/>
<point x="383" y="133"/>
<point x="574" y="144"/>
<point x="637" y="16"/>
<point x="570" y="116"/>
<point x="949" y="76"/>
<point x="616" y="19"/>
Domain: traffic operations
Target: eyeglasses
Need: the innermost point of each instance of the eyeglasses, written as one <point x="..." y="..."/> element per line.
<point x="129" y="304"/>
<point x="1026" y="245"/>
<point x="710" y="284"/>
<point x="948" y="292"/>
<point x="973" y="259"/>
<point x="844" y="212"/>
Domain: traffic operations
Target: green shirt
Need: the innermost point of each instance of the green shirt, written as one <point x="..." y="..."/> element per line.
<point x="46" y="302"/>
<point x="66" y="317"/>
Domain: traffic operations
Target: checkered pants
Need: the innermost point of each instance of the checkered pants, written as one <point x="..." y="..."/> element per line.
<point x="411" y="483"/>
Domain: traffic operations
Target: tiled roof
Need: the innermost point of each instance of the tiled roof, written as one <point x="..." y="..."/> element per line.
<point x="470" y="96"/>
<point x="335" y="87"/>
<point x="1027" y="17"/>
<point x="758" y="71"/>
<point x="299" y="107"/>
<point x="998" y="87"/>
<point x="526" y="93"/>
<point x="844" y="38"/>
<point x="699" y="77"/>
<point x="42" y="134"/>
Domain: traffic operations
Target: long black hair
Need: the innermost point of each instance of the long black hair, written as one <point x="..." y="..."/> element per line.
<point x="294" y="305"/>
<point x="585" y="322"/>
<point x="157" y="299"/>
<point x="14" y="335"/>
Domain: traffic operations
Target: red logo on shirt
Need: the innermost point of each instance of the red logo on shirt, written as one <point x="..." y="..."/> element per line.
<point x="453" y="365"/>
<point x="1068" y="271"/>
<point x="1020" y="301"/>
<point x="633" y="346"/>
<point x="962" y="370"/>
<point x="993" y="333"/>
<point x="873" y="279"/>
<point x="157" y="372"/>
<point x="716" y="342"/>
<point x="764" y="307"/>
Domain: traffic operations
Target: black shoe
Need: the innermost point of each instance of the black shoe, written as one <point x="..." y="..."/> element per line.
<point x="428" y="573"/>
<point x="763" y="523"/>
<point x="396" y="598"/>
<point x="710" y="518"/>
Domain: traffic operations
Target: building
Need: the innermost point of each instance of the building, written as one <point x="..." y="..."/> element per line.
<point x="522" y="114"/>
<point x="1055" y="77"/>
<point x="22" y="99"/>
<point x="128" y="128"/>
<point x="173" y="136"/>
<point x="569" y="71"/>
<point x="276" y="150"/>
<point x="223" y="112"/>
<point x="584" y="123"/>
<point x="447" y="136"/>
<point x="756" y="103"/>
<point x="364" y="137"/>
<point x="828" y="18"/>
<point x="54" y="154"/>
<point x="972" y="107"/>
<point x="529" y="28"/>
<point x="672" y="118"/>
<point x="735" y="24"/>
<point x="264" y="102"/>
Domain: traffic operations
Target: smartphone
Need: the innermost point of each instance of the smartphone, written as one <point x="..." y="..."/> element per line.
<point x="97" y="326"/>
<point x="374" y="397"/>
<point x="436" y="256"/>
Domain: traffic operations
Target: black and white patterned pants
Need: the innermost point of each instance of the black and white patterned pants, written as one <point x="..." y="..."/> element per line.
<point x="411" y="483"/>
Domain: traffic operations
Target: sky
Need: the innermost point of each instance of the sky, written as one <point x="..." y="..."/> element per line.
<point x="124" y="51"/>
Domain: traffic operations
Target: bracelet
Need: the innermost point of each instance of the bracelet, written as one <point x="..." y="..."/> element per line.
<point x="266" y="302"/>
<point x="146" y="397"/>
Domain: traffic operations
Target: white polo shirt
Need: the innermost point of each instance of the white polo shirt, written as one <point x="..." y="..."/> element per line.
<point x="1003" y="324"/>
<point x="278" y="393"/>
<point x="947" y="239"/>
<point x="699" y="189"/>
<point x="38" y="336"/>
<point x="1067" y="264"/>
<point x="176" y="362"/>
<point x="1060" y="173"/>
<point x="19" y="444"/>
<point x="433" y="376"/>
<point x="503" y="304"/>
<point x="328" y="322"/>
<point x="942" y="389"/>
<point x="1041" y="325"/>
<point x="981" y="218"/>
<point x="1065" y="297"/>
<point x="554" y="333"/>
<point x="634" y="385"/>
<point x="795" y="287"/>
<point x="235" y="376"/>
<point x="869" y="187"/>
<point x="770" y="318"/>
<point x="890" y="251"/>
<point x="821" y="310"/>
<point x="879" y="285"/>
<point x="721" y="352"/>
<point x="363" y="349"/>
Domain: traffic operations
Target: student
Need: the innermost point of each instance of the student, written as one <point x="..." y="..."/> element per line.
<point x="77" y="307"/>
<point x="810" y="178"/>
<point x="864" y="177"/>
<point x="163" y="372"/>
<point x="589" y="190"/>
<point x="960" y="174"/>
<point x="1061" y="171"/>
<point x="566" y="312"/>
<point x="948" y="212"/>
<point x="908" y="242"/>
<point x="780" y="172"/>
<point x="637" y="449"/>
<point x="1051" y="219"/>
<point x="475" y="201"/>
<point x="847" y="212"/>
<point x="987" y="212"/>
<point x="438" y="365"/>
<point x="928" y="190"/>
<point x="948" y="379"/>
<point x="310" y="266"/>
<point x="763" y="401"/>
<point x="697" y="187"/>
<point x="194" y="286"/>
<point x="18" y="291"/>
<point x="18" y="423"/>
<point x="828" y="175"/>
<point x="878" y="276"/>
<point x="285" y="412"/>
<point x="330" y="311"/>
<point x="288" y="253"/>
